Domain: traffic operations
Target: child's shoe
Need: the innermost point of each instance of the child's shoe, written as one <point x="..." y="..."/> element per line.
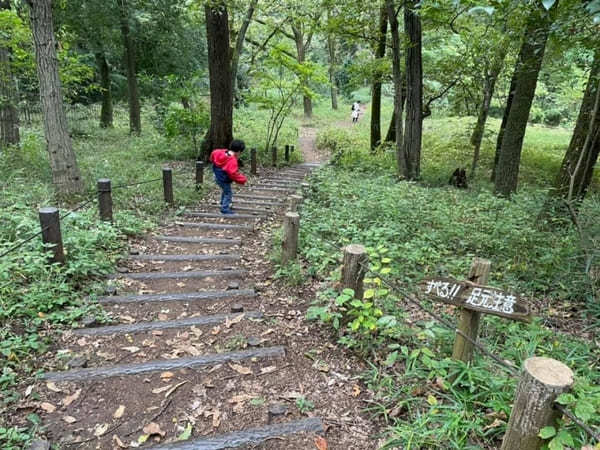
<point x="227" y="211"/>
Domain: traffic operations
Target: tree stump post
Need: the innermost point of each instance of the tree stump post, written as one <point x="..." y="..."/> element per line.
<point x="468" y="322"/>
<point x="287" y="153"/>
<point x="253" y="161"/>
<point x="199" y="174"/>
<point x="353" y="269"/>
<point x="293" y="202"/>
<point x="105" y="205"/>
<point x="291" y="225"/>
<point x="542" y="381"/>
<point x="274" y="156"/>
<point x="50" y="223"/>
<point x="168" y="185"/>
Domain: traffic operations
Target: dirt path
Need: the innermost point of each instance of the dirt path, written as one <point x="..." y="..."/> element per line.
<point x="207" y="346"/>
<point x="307" y="142"/>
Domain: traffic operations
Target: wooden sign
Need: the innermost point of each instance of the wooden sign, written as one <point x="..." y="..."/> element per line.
<point x="484" y="299"/>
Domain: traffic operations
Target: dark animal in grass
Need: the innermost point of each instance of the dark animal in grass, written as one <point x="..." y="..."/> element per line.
<point x="459" y="179"/>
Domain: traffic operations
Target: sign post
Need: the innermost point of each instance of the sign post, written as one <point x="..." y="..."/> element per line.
<point x="474" y="298"/>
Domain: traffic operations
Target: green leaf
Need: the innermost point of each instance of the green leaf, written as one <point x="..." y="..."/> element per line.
<point x="432" y="400"/>
<point x="565" y="399"/>
<point x="547" y="432"/>
<point x="386" y="260"/>
<point x="385" y="270"/>
<point x="186" y="433"/>
<point x="369" y="293"/>
<point x="349" y="292"/>
<point x="584" y="410"/>
<point x="391" y="359"/>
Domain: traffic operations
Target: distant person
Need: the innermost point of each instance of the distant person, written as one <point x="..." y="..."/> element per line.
<point x="355" y="111"/>
<point x="225" y="168"/>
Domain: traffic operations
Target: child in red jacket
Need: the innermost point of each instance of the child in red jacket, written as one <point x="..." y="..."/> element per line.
<point x="225" y="168"/>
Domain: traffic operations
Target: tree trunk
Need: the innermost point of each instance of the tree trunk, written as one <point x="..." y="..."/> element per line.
<point x="135" y="124"/>
<point x="396" y="125"/>
<point x="390" y="136"/>
<point x="509" y="99"/>
<point x="9" y="115"/>
<point x="301" y="51"/>
<point x="239" y="46"/>
<point x="65" y="171"/>
<point x="106" y="112"/>
<point x="489" y="84"/>
<point x="220" y="133"/>
<point x="414" y="93"/>
<point x="332" y="69"/>
<point x="376" y="89"/>
<point x="575" y="174"/>
<point x="526" y="75"/>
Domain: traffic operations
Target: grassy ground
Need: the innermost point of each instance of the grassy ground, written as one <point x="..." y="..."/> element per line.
<point x="37" y="300"/>
<point x="428" y="229"/>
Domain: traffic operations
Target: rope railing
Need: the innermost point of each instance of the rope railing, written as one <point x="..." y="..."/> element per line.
<point x="510" y="368"/>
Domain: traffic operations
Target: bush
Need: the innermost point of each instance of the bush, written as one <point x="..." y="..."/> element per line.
<point x="553" y="117"/>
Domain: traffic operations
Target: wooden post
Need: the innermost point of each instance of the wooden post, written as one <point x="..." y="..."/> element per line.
<point x="105" y="200"/>
<point x="542" y="380"/>
<point x="468" y="322"/>
<point x="199" y="174"/>
<point x="293" y="148"/>
<point x="291" y="225"/>
<point x="50" y="223"/>
<point x="168" y="185"/>
<point x="353" y="269"/>
<point x="253" y="161"/>
<point x="293" y="202"/>
<point x="287" y="153"/>
<point x="274" y="156"/>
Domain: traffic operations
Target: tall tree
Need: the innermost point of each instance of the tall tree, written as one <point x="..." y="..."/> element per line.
<point x="377" y="79"/>
<point x="239" y="44"/>
<point x="577" y="168"/>
<point x="65" y="171"/>
<point x="525" y="79"/>
<point x="331" y="50"/>
<point x="413" y="127"/>
<point x="401" y="163"/>
<point x="106" y="110"/>
<point x="135" y="123"/>
<point x="303" y="39"/>
<point x="492" y="70"/>
<point x="9" y="117"/>
<point x="220" y="133"/>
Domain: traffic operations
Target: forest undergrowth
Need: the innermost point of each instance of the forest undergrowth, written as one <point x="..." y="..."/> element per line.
<point x="429" y="229"/>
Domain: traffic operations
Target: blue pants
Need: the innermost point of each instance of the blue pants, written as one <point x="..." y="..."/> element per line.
<point x="226" y="196"/>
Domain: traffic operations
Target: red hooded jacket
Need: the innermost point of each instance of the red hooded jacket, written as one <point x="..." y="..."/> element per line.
<point x="226" y="163"/>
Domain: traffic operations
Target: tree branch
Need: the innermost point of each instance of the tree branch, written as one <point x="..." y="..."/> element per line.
<point x="427" y="106"/>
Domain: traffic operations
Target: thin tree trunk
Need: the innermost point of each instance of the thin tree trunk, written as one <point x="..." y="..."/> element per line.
<point x="489" y="84"/>
<point x="301" y="48"/>
<point x="376" y="88"/>
<point x="575" y="174"/>
<point x="9" y="115"/>
<point x="396" y="125"/>
<point x="332" y="69"/>
<point x="135" y="124"/>
<point x="509" y="99"/>
<point x="65" y="171"/>
<point x="239" y="45"/>
<point x="526" y="73"/>
<point x="220" y="133"/>
<point x="106" y="111"/>
<point x="414" y="93"/>
<point x="390" y="136"/>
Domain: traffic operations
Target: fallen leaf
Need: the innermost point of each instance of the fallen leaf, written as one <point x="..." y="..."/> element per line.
<point x="291" y="395"/>
<point x="355" y="390"/>
<point x="162" y="389"/>
<point x="119" y="442"/>
<point x="215" y="330"/>
<point x="495" y="424"/>
<point x="167" y="375"/>
<point x="269" y="369"/>
<point x="69" y="419"/>
<point x="71" y="398"/>
<point x="242" y="398"/>
<point x="100" y="429"/>
<point x="50" y="385"/>
<point x="216" y="418"/>
<point x="269" y="331"/>
<point x="186" y="433"/>
<point x="321" y="443"/>
<point x="237" y="319"/>
<point x="48" y="407"/>
<point x="241" y="369"/>
<point x="152" y="429"/>
<point x="163" y="317"/>
<point x="126" y="318"/>
<point x="439" y="382"/>
<point x="82" y="342"/>
<point x="132" y="349"/>
<point x="119" y="412"/>
<point x="157" y="333"/>
<point x="29" y="390"/>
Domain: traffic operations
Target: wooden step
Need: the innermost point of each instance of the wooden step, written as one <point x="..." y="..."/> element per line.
<point x="224" y="216"/>
<point x="195" y="240"/>
<point x="182" y="297"/>
<point x="186" y="258"/>
<point x="233" y="273"/>
<point x="214" y="226"/>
